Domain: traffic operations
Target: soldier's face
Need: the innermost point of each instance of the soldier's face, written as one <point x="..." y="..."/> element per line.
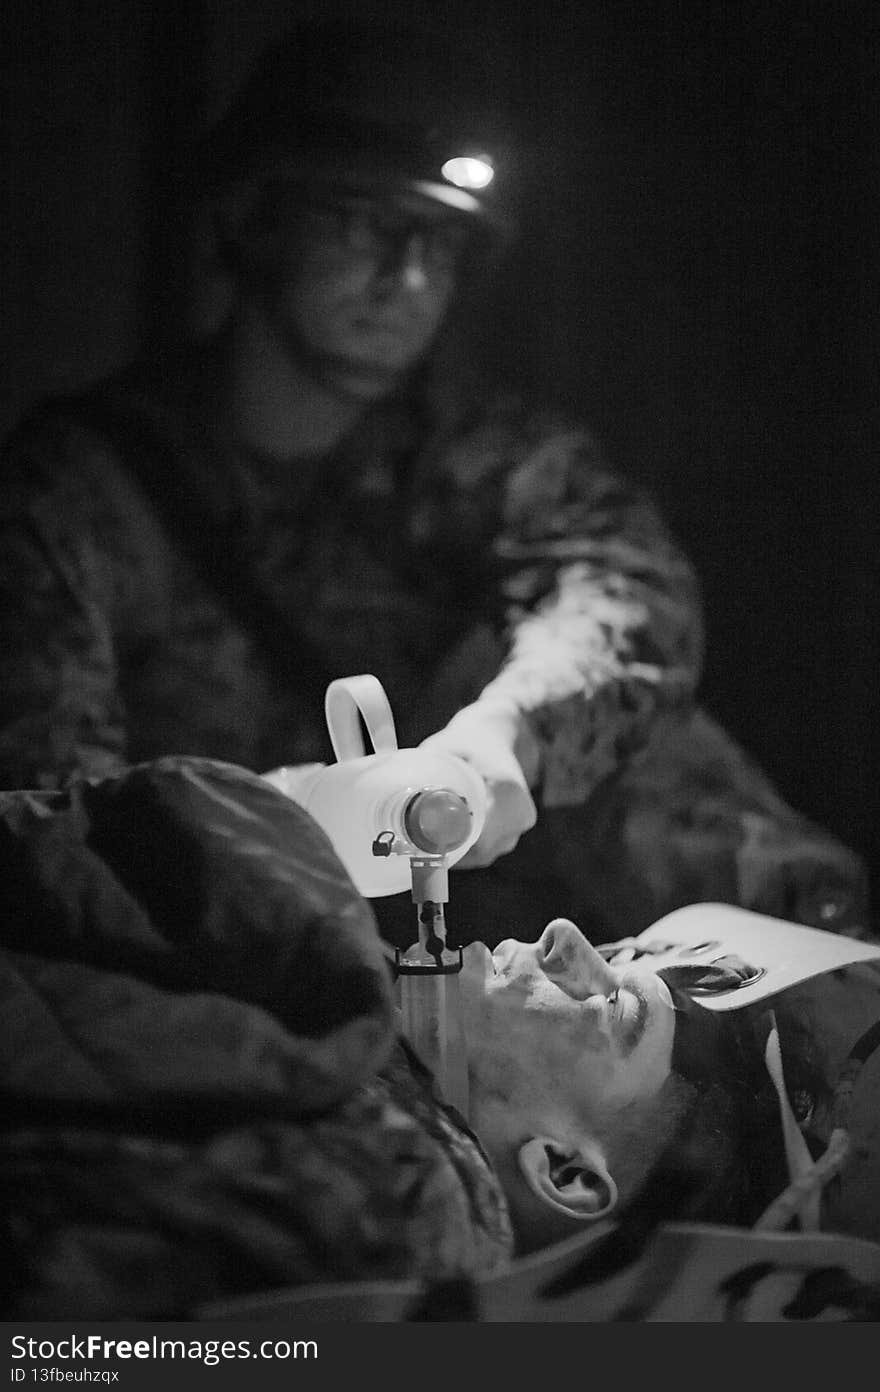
<point x="364" y="285"/>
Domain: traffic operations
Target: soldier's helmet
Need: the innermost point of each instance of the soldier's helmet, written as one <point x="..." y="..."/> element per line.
<point x="370" y="108"/>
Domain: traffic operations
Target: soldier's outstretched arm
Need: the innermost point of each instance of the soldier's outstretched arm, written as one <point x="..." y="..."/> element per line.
<point x="602" y="630"/>
<point x="603" y="609"/>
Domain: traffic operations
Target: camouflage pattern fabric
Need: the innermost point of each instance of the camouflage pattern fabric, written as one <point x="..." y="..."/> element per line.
<point x="164" y="592"/>
<point x="203" y="1094"/>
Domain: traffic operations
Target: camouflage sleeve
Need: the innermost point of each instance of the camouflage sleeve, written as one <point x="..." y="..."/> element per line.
<point x="60" y="710"/>
<point x="603" y="610"/>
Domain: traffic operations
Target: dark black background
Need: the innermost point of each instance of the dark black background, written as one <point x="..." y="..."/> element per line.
<point x="697" y="277"/>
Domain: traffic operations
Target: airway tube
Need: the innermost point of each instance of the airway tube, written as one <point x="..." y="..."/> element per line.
<point x="432" y="1022"/>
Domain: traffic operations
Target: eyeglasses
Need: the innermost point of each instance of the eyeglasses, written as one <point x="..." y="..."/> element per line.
<point x="370" y="229"/>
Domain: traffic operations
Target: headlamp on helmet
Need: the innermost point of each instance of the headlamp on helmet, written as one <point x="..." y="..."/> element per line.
<point x="469" y="171"/>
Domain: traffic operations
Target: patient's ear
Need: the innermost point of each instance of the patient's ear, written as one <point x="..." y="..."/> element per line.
<point x="572" y="1179"/>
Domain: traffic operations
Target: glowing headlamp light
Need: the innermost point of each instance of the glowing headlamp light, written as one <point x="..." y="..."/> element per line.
<point x="469" y="171"/>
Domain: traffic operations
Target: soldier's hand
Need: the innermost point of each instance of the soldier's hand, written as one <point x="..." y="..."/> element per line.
<point x="485" y="737"/>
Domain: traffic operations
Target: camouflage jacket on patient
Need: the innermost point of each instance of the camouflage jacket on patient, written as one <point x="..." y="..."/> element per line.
<point x="202" y="1092"/>
<point x="166" y="592"/>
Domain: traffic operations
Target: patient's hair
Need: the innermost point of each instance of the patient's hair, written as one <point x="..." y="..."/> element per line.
<point x="726" y="1159"/>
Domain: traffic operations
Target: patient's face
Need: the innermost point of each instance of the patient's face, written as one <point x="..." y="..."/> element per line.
<point x="558" y="1041"/>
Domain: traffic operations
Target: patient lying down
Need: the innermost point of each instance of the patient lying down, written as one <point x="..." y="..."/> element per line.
<point x="207" y="1096"/>
<point x="588" y="1077"/>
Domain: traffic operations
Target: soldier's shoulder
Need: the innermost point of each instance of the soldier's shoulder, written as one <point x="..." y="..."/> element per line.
<point x="524" y="414"/>
<point x="502" y="430"/>
<point x="53" y="449"/>
<point x="71" y="449"/>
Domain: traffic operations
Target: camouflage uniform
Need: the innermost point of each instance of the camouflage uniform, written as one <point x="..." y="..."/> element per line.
<point x="167" y="593"/>
<point x="201" y="1090"/>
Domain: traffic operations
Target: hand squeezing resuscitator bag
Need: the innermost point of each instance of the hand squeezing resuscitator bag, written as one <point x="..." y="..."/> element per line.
<point x="389" y="810"/>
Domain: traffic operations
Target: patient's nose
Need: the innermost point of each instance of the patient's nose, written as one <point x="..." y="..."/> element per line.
<point x="572" y="963"/>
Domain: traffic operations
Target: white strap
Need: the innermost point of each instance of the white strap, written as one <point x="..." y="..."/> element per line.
<point x="344" y="699"/>
<point x="797" y="1154"/>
